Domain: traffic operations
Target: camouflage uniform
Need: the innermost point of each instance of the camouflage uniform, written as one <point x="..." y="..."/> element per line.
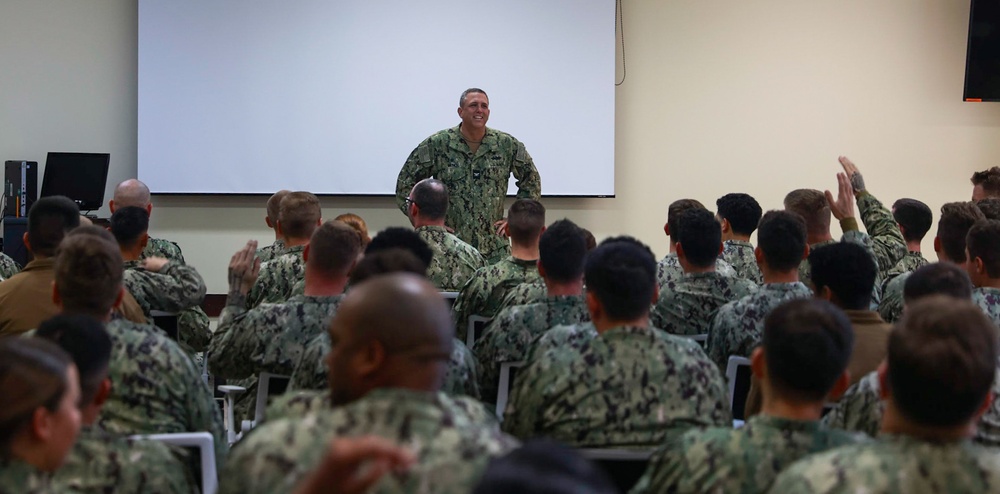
<point x="158" y="247"/>
<point x="100" y="462"/>
<point x="451" y="449"/>
<point x="477" y="183"/>
<point x="909" y="263"/>
<point x="745" y="460"/>
<point x="740" y="255"/>
<point x="17" y="477"/>
<point x="482" y="295"/>
<point x="192" y="323"/>
<point x="454" y="261"/>
<point x="524" y="294"/>
<point x="988" y="299"/>
<point x="277" y="277"/>
<point x="630" y="387"/>
<point x="669" y="269"/>
<point x="738" y="326"/>
<point x="896" y="465"/>
<point x="891" y="305"/>
<point x="686" y="306"/>
<point x="8" y="267"/>
<point x="508" y="336"/>
<point x="174" y="288"/>
<point x="268" y="252"/>
<point x="887" y="241"/>
<point x="157" y="388"/>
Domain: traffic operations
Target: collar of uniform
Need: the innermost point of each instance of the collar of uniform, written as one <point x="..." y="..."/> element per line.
<point x="46" y="264"/>
<point x="524" y="263"/>
<point x="18" y="473"/>
<point x="910" y="443"/>
<point x="560" y="300"/>
<point x="785" y="287"/>
<point x="864" y="317"/>
<point x="782" y="424"/>
<point x="703" y="275"/>
<point x="457" y="140"/>
<point x="822" y="244"/>
<point x="915" y="253"/>
<point x="133" y="264"/>
<point x="298" y="249"/>
<point x="739" y="243"/>
<point x="430" y="228"/>
<point x="314" y="299"/>
<point x="670" y="258"/>
<point x="619" y="332"/>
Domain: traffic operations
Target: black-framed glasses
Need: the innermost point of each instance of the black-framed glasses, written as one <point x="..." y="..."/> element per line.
<point x="408" y="201"/>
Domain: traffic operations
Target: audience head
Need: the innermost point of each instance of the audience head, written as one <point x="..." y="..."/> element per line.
<point x="914" y="218"/>
<point x="274" y="207"/>
<point x="811" y="205"/>
<point x="428" y="202"/>
<point x="699" y="238"/>
<point x="621" y="280"/>
<point x="588" y="236"/>
<point x="806" y="346"/>
<point x="941" y="360"/>
<point x="48" y="221"/>
<point x="843" y="273"/>
<point x="544" y="467"/>
<point x="983" y="248"/>
<point x="394" y="260"/>
<point x="939" y="278"/>
<point x="781" y="240"/>
<point x="88" y="273"/>
<point x="39" y="419"/>
<point x="986" y="184"/>
<point x="393" y="330"/>
<point x="131" y="192"/>
<point x="333" y="249"/>
<point x="89" y="345"/>
<point x="403" y="238"/>
<point x="956" y="220"/>
<point x="562" y="249"/>
<point x="525" y="221"/>
<point x="298" y="215"/>
<point x="674" y="212"/>
<point x="990" y="208"/>
<point x="130" y="225"/>
<point x="357" y="223"/>
<point x="739" y="213"/>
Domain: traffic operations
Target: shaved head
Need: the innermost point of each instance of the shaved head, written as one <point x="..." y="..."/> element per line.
<point x="131" y="192"/>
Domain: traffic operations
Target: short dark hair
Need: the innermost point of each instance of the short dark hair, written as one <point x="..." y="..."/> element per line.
<point x="781" y="236"/>
<point x="983" y="242"/>
<point x="811" y="205"/>
<point x="392" y="260"/>
<point x="461" y="99"/>
<point x="48" y="221"/>
<point x="298" y="213"/>
<point x="274" y="205"/>
<point x="938" y="278"/>
<point x="128" y="224"/>
<point x="525" y="220"/>
<point x="677" y="208"/>
<point x="334" y="248"/>
<point x="403" y="238"/>
<point x="989" y="179"/>
<point x="562" y="250"/>
<point x="700" y="236"/>
<point x="431" y="196"/>
<point x="88" y="272"/>
<point x="847" y="270"/>
<point x="543" y="466"/>
<point x="990" y="207"/>
<point x="741" y="210"/>
<point x="913" y="215"/>
<point x="588" y="236"/>
<point x="942" y="359"/>
<point x="87" y="343"/>
<point x="621" y="272"/>
<point x="956" y="220"/>
<point x="807" y="345"/>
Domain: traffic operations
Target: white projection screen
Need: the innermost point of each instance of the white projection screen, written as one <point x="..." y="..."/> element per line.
<point x="248" y="97"/>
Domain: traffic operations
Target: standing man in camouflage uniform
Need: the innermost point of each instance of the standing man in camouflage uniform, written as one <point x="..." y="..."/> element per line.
<point x="914" y="219"/>
<point x="687" y="305"/>
<point x="669" y="268"/>
<point x="983" y="249"/>
<point x="268" y="252"/>
<point x="940" y="367"/>
<point x="739" y="215"/>
<point x="298" y="216"/>
<point x="392" y="339"/>
<point x="802" y="360"/>
<point x="630" y="385"/>
<point x="475" y="163"/>
<point x="986" y="184"/>
<point x="454" y="261"/>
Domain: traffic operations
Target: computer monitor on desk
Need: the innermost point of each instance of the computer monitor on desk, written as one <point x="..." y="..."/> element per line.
<point x="81" y="177"/>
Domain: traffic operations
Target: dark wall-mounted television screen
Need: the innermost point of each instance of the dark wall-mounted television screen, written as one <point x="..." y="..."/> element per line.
<point x="78" y="176"/>
<point x="982" y="61"/>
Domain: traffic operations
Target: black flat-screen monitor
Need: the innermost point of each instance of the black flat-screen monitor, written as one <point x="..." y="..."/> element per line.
<point x="982" y="61"/>
<point x="78" y="176"/>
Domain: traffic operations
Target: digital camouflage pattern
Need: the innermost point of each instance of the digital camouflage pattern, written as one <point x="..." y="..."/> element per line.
<point x="277" y="278"/>
<point x="896" y="465"/>
<point x="669" y="269"/>
<point x="8" y="266"/>
<point x="630" y="387"/>
<point x="739" y="325"/>
<point x="891" y="305"/>
<point x="268" y="338"/>
<point x="687" y="305"/>
<point x="451" y="448"/>
<point x="101" y="462"/>
<point x="477" y="183"/>
<point x="909" y="263"/>
<point x="156" y="387"/>
<point x="17" y="477"/>
<point x="268" y="252"/>
<point x="524" y="294"/>
<point x="887" y="241"/>
<point x="176" y="288"/>
<point x="740" y="255"/>
<point x="508" y="337"/>
<point x="988" y="299"/>
<point x="158" y="247"/>
<point x="454" y="261"/>
<point x="744" y="460"/>
<point x="484" y="293"/>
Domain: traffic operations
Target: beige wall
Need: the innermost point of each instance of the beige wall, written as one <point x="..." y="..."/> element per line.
<point x="759" y="97"/>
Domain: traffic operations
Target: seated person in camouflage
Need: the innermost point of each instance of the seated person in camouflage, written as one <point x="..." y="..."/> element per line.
<point x="157" y="283"/>
<point x="739" y="214"/>
<point x="802" y="361"/>
<point x="100" y="461"/>
<point x="484" y="293"/>
<point x="914" y="219"/>
<point x="273" y="337"/>
<point x="298" y="216"/>
<point x="986" y="184"/>
<point x="157" y="387"/>
<point x="630" y="385"/>
<point x="562" y="250"/>
<point x="454" y="261"/>
<point x="937" y="379"/>
<point x="983" y="251"/>
<point x="669" y="268"/>
<point x="955" y="221"/>
<point x="392" y="338"/>
<point x="268" y="252"/>
<point x="687" y="305"/>
<point x="781" y="247"/>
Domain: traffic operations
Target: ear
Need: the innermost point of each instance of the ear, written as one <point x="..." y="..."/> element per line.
<point x="656" y="294"/>
<point x="144" y="239"/>
<point x="267" y="221"/>
<point x="371" y="359"/>
<point x="666" y="229"/>
<point x="56" y="298"/>
<point x="541" y="269"/>
<point x="758" y="255"/>
<point x="883" y="381"/>
<point x="680" y="251"/>
<point x="120" y="298"/>
<point x="103" y="392"/>
<point x="843" y="382"/>
<point x="902" y="229"/>
<point x="979" y="266"/>
<point x="987" y="402"/>
<point x="758" y="364"/>
<point x="726" y="227"/>
<point x="594" y="305"/>
<point x="720" y="248"/>
<point x="149" y="209"/>
<point x="41" y="424"/>
<point x="805" y="252"/>
<point x="937" y="246"/>
<point x="111" y="205"/>
<point x="305" y="254"/>
<point x="27" y="242"/>
<point x="824" y="293"/>
<point x="277" y="228"/>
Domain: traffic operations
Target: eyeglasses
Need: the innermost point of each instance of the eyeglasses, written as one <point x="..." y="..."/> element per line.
<point x="408" y="201"/>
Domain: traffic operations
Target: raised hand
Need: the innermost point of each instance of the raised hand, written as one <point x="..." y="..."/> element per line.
<point x="843" y="206"/>
<point x="244" y="267"/>
<point x="857" y="181"/>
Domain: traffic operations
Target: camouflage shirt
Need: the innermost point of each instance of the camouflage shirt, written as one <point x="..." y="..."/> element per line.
<point x="909" y="263"/>
<point x="268" y="252"/>
<point x="100" y="462"/>
<point x="630" y="387"/>
<point x="508" y="336"/>
<point x="175" y="288"/>
<point x="739" y="325"/>
<point x="891" y="305"/>
<point x="484" y="293"/>
<point x="888" y="245"/>
<point x="896" y="465"/>
<point x="687" y="305"/>
<point x="740" y="255"/>
<point x="988" y="299"/>
<point x="8" y="266"/>
<point x="18" y="477"/>
<point x="277" y="277"/>
<point x="477" y="183"/>
<point x="744" y="460"/>
<point x="454" y="261"/>
<point x="451" y="449"/>
<point x="669" y="269"/>
<point x="524" y="294"/>
<point x="158" y="247"/>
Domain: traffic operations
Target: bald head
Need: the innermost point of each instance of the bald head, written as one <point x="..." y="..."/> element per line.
<point x="131" y="192"/>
